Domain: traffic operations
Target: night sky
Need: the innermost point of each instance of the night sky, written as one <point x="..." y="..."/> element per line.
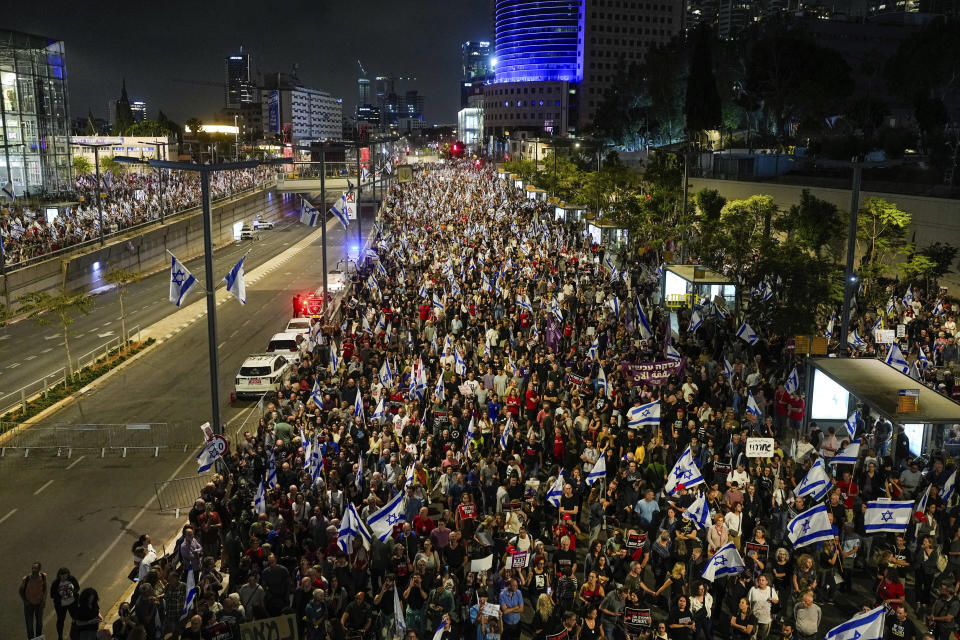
<point x="153" y="43"/>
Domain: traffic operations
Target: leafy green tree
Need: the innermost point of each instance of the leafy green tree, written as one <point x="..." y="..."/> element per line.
<point x="710" y="203"/>
<point x="881" y="237"/>
<point x="122" y="279"/>
<point x="46" y="309"/>
<point x="816" y="223"/>
<point x="918" y="267"/>
<point x="81" y="165"/>
<point x="108" y="163"/>
<point x="153" y="128"/>
<point x="702" y="104"/>
<point x="664" y="171"/>
<point x="743" y="230"/>
<point x="943" y="255"/>
<point x="802" y="283"/>
<point x="524" y="168"/>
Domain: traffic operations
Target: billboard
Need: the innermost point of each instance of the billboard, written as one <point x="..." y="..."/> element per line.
<point x="273" y="112"/>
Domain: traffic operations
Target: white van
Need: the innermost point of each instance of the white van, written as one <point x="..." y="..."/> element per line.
<point x="287" y="344"/>
<point x="260" y="373"/>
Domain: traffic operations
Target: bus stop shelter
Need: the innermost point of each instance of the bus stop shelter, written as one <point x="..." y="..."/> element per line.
<point x="685" y="285"/>
<point x="606" y="233"/>
<point x="840" y="386"/>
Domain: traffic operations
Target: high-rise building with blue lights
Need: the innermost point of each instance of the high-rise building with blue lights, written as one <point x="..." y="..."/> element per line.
<point x="538" y="40"/>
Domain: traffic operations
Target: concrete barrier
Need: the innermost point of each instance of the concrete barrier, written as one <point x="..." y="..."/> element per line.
<point x="144" y="251"/>
<point x="934" y="219"/>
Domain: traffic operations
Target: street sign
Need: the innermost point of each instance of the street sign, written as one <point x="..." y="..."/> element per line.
<point x="760" y="447"/>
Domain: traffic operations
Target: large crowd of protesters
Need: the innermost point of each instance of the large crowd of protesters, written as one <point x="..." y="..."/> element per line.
<point x="533" y="331"/>
<point x="128" y="199"/>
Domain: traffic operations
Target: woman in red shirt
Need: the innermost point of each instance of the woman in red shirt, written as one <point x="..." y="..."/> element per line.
<point x="513" y="401"/>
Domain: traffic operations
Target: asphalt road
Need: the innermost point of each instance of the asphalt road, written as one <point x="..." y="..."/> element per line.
<point x="28" y="352"/>
<point x="84" y="513"/>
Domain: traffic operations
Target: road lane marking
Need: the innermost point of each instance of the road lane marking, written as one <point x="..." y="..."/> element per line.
<point x="220" y="346"/>
<point x="45" y="485"/>
<point x="30" y="357"/>
<point x="74" y="463"/>
<point x="47" y="350"/>
<point x="14" y="365"/>
<point x="105" y="335"/>
<point x="53" y="337"/>
<point x="4" y="518"/>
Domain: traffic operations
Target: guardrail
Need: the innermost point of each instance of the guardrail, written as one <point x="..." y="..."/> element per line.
<point x="180" y="493"/>
<point x="42" y="385"/>
<point x="74" y="248"/>
<point x="64" y="439"/>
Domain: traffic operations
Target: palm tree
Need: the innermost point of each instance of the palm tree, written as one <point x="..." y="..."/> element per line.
<point x="122" y="278"/>
<point x="45" y="309"/>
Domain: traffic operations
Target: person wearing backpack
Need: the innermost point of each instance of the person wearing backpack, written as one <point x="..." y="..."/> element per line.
<point x="33" y="593"/>
<point x="63" y="593"/>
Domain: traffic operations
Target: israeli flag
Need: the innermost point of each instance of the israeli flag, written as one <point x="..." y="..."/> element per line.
<point x="191" y="594"/>
<point x="685" y="472"/>
<point x="643" y="324"/>
<point x="644" y="414"/>
<point x="380" y="413"/>
<point x="386" y="375"/>
<point x="792" y="383"/>
<point x="437" y="302"/>
<point x="725" y="562"/>
<point x="557" y="312"/>
<point x="524" y="303"/>
<point x="459" y="366"/>
<point x="829" y="331"/>
<point x="922" y="359"/>
<point x="470" y="435"/>
<point x="271" y="471"/>
<point x="364" y="173"/>
<point x="556" y="491"/>
<point x="949" y="488"/>
<point x="922" y="502"/>
<point x="340" y="210"/>
<point x="672" y="354"/>
<point x="317" y="394"/>
<point x="891" y="306"/>
<point x="752" y="406"/>
<point x="308" y="213"/>
<point x="869" y="625"/>
<point x="439" y="391"/>
<point x="382" y="522"/>
<point x="938" y="308"/>
<point x="9" y="191"/>
<point x="699" y="512"/>
<point x="728" y="371"/>
<point x="747" y="334"/>
<point x="181" y="281"/>
<point x="695" y="322"/>
<point x="506" y="433"/>
<point x="848" y="454"/>
<point x="877" y="326"/>
<point x="438" y="632"/>
<point x="599" y="471"/>
<point x="851" y="424"/>
<point x="614" y="304"/>
<point x="602" y="386"/>
<point x="896" y="360"/>
<point x="855" y="341"/>
<point x="810" y="526"/>
<point x="334" y="358"/>
<point x="816" y="483"/>
<point x="423" y="291"/>
<point x="235" y="283"/>
<point x="766" y="292"/>
<point x="207" y="456"/>
<point x="351" y="527"/>
<point x="892" y="516"/>
<point x="908" y="296"/>
<point x="594" y="349"/>
<point x="399" y="621"/>
<point x="358" y="406"/>
<point x="260" y="500"/>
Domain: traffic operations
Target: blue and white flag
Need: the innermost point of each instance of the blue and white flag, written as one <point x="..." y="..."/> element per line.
<point x="614" y="303"/>
<point x="599" y="471"/>
<point x="855" y="341"/>
<point x="695" y="321"/>
<point x="380" y="413"/>
<point x="847" y="454"/>
<point x="816" y="483"/>
<point x="235" y="282"/>
<point x="317" y="394"/>
<point x="383" y="521"/>
<point x="725" y="562"/>
<point x="9" y="191"/>
<point x="308" y="213"/>
<point x="340" y="210"/>
<point x="643" y="324"/>
<point x="437" y="302"/>
<point x="685" y="472"/>
<point x="358" y="406"/>
<point x="747" y="334"/>
<point x="938" y="308"/>
<point x="386" y="374"/>
<point x="439" y="391"/>
<point x="922" y="360"/>
<point x="594" y="349"/>
<point x="869" y="625"/>
<point x="399" y="619"/>
<point x="507" y="432"/>
<point x="643" y="415"/>
<point x="602" y="386"/>
<point x="851" y="424"/>
<point x="699" y="512"/>
<point x="891" y="306"/>
<point x="728" y="371"/>
<point x="922" y="502"/>
<point x="555" y="492"/>
<point x="752" y="406"/>
<point x="208" y="455"/>
<point x="364" y="173"/>
<point x="891" y="516"/>
<point x="908" y="296"/>
<point x="949" y="487"/>
<point x="828" y="332"/>
<point x="271" y="471"/>
<point x="792" y="383"/>
<point x="524" y="303"/>
<point x="423" y="290"/>
<point x="181" y="281"/>
<point x="672" y="354"/>
<point x="260" y="500"/>
<point x="811" y="526"/>
<point x="896" y="360"/>
<point x="459" y="366"/>
<point x="191" y="593"/>
<point x="334" y="358"/>
<point x="351" y="527"/>
<point x="469" y="435"/>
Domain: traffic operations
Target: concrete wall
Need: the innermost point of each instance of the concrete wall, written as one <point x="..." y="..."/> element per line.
<point x="146" y="251"/>
<point x="934" y="219"/>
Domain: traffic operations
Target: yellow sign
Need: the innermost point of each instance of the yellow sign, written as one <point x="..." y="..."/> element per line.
<point x="908" y="401"/>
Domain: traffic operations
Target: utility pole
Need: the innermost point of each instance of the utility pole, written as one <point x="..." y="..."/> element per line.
<point x="850" y="278"/>
<point x="323" y="222"/>
<point x="357" y="204"/>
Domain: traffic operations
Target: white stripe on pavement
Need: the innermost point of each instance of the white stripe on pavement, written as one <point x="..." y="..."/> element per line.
<point x="4" y="518"/>
<point x="45" y="485"/>
<point x="74" y="463"/>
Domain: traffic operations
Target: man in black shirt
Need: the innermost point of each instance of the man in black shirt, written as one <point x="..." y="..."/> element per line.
<point x="900" y="627"/>
<point x="358" y="615"/>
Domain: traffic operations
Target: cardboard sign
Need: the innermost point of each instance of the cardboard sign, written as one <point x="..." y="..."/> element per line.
<point x="636" y="540"/>
<point x="884" y="336"/>
<point x="653" y="373"/>
<point x="901" y="331"/>
<point x="519" y="560"/>
<point x="573" y="378"/>
<point x="760" y="447"/>
<point x="637" y="618"/>
<point x="491" y="610"/>
<point x="279" y="628"/>
<point x="482" y="564"/>
<point x="763" y="550"/>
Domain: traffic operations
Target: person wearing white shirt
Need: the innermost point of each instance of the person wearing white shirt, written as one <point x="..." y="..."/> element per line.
<point x="762" y="597"/>
<point x="738" y="475"/>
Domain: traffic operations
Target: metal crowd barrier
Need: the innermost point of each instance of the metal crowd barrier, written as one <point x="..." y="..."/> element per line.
<point x="180" y="493"/>
<point x="64" y="439"/>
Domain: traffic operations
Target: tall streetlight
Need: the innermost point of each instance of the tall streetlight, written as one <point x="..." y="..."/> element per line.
<point x="3" y="256"/>
<point x="96" y="162"/>
<point x="205" y="170"/>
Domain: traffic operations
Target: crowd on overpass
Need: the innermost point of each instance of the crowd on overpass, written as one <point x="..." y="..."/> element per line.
<point x="503" y="439"/>
<point x="127" y="199"/>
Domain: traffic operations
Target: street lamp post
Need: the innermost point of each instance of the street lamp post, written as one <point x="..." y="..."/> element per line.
<point x="96" y="161"/>
<point x="3" y="255"/>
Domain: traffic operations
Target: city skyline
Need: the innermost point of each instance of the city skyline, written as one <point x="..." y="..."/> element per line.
<point x="185" y="79"/>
